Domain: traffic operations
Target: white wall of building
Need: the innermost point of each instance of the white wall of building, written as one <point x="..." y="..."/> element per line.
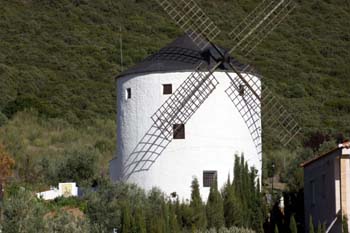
<point x="64" y="190"/>
<point x="214" y="134"/>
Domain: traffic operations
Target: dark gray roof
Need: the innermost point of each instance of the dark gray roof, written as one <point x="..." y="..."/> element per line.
<point x="180" y="55"/>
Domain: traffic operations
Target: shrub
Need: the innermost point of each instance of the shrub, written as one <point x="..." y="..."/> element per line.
<point x="78" y="166"/>
<point x="3" y="119"/>
<point x="23" y="213"/>
<point x="64" y="222"/>
<point x="228" y="230"/>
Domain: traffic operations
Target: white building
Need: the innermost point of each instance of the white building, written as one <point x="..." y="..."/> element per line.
<point x="327" y="188"/>
<point x="63" y="190"/>
<point x="204" y="147"/>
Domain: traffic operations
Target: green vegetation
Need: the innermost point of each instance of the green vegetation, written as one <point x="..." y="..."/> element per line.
<point x="198" y="208"/>
<point x="215" y="209"/>
<point x="321" y="228"/>
<point x="129" y="210"/>
<point x="243" y="205"/>
<point x="227" y="230"/>
<point x="60" y="57"/>
<point x="47" y="151"/>
<point x="311" y="225"/>
<point x="57" y="106"/>
<point x="23" y="212"/>
<point x="345" y="224"/>
<point x="293" y="225"/>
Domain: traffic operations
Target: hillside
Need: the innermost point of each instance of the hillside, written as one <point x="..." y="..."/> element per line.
<point x="60" y="57"/>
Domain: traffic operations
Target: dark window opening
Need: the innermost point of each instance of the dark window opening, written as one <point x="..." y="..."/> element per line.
<point x="128" y="93"/>
<point x="209" y="178"/>
<point x="167" y="89"/>
<point x="179" y="131"/>
<point x="241" y="90"/>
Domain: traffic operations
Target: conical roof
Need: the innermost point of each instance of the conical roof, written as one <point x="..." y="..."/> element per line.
<point x="180" y="55"/>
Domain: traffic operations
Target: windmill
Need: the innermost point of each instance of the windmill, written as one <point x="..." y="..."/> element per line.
<point x="244" y="91"/>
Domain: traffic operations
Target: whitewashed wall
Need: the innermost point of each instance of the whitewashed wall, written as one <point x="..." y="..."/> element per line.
<point x="214" y="135"/>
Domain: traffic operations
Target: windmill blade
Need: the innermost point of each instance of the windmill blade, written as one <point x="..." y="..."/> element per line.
<point x="276" y="117"/>
<point x="191" y="19"/>
<point x="177" y="109"/>
<point x="259" y="24"/>
<point x="247" y="105"/>
<point x="266" y="30"/>
<point x="185" y="101"/>
<point x="274" y="114"/>
<point x="246" y="36"/>
<point x="146" y="152"/>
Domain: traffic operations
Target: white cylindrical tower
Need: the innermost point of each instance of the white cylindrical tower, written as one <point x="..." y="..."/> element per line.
<point x="204" y="147"/>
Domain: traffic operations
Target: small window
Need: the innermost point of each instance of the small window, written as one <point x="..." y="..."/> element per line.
<point x="128" y="93"/>
<point x="241" y="90"/>
<point x="179" y="131"/>
<point x="167" y="89"/>
<point x="209" y="178"/>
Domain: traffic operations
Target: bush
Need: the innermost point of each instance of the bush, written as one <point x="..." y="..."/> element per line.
<point x="64" y="222"/>
<point x="3" y="119"/>
<point x="226" y="230"/>
<point x="23" y="212"/>
<point x="78" y="166"/>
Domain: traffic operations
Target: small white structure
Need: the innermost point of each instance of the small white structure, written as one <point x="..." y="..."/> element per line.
<point x="203" y="148"/>
<point x="64" y="190"/>
<point x="327" y="188"/>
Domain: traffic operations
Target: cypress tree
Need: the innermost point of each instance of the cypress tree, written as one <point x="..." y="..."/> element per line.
<point x="245" y="181"/>
<point x="256" y="218"/>
<point x="173" y="222"/>
<point x="237" y="175"/>
<point x="158" y="213"/>
<point x="323" y="228"/>
<point x="215" y="208"/>
<point x="232" y="211"/>
<point x="239" y="185"/>
<point x="261" y="206"/>
<point x="185" y="215"/>
<point x="311" y="225"/>
<point x="319" y="228"/>
<point x="293" y="225"/>
<point x="197" y="207"/>
<point x="248" y="199"/>
<point x="166" y="216"/>
<point x="157" y="220"/>
<point x="126" y="219"/>
<point x="178" y="212"/>
<point x="254" y="202"/>
<point x="156" y="225"/>
<point x="140" y="222"/>
<point x="226" y="186"/>
<point x="245" y="193"/>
